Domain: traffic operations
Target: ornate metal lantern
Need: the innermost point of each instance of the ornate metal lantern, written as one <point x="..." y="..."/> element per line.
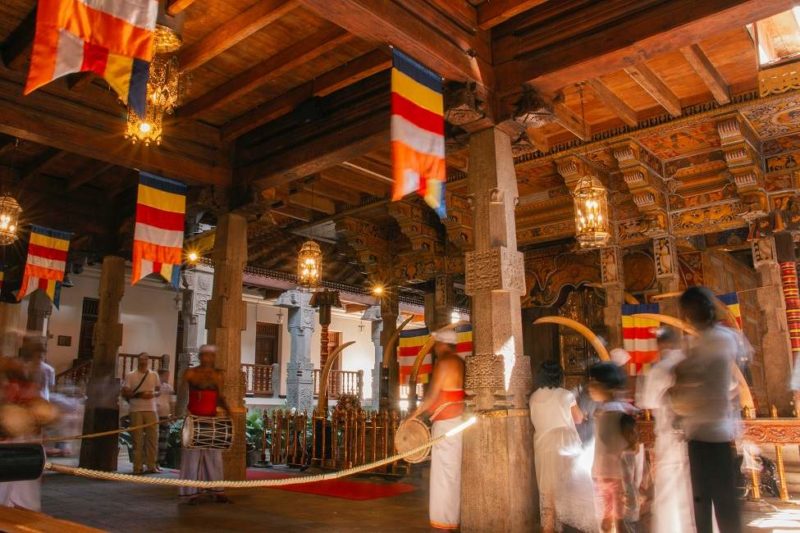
<point x="9" y="219"/>
<point x="592" y="228"/>
<point x="309" y="265"/>
<point x="163" y="90"/>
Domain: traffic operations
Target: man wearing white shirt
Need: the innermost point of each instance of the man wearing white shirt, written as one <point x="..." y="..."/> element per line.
<point x="141" y="388"/>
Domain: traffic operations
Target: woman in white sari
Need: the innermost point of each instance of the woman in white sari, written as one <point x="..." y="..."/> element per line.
<point x="565" y="484"/>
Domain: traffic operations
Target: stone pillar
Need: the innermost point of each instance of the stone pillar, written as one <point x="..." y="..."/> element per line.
<point x="775" y="343"/>
<point x="299" y="369"/>
<point x="390" y="371"/>
<point x="198" y="284"/>
<point x="102" y="411"/>
<point x="10" y="335"/>
<point x="667" y="274"/>
<point x="611" y="271"/>
<point x="373" y="315"/>
<point x="498" y="484"/>
<point x="225" y="321"/>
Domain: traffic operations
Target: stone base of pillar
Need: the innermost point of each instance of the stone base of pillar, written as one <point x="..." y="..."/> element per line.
<point x="501" y="476"/>
<point x="300" y="386"/>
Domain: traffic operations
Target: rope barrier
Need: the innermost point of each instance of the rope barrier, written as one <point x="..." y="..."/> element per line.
<point x="103" y="433"/>
<point x="225" y="484"/>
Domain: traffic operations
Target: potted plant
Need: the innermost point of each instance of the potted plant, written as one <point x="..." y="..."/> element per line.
<point x="174" y="443"/>
<point x="254" y="433"/>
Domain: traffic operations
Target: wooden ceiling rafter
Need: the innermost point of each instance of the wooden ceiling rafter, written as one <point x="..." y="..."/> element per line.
<point x="704" y="68"/>
<point x="230" y="33"/>
<point x="279" y="63"/>
<point x="175" y="7"/>
<point x="495" y="12"/>
<point x="351" y="72"/>
<point x="655" y="87"/>
<point x="389" y="22"/>
<point x="17" y="46"/>
<point x="49" y="156"/>
<point x="87" y="173"/>
<point x="613" y="102"/>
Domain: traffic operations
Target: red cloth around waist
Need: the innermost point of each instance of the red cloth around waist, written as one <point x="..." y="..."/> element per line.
<point x="451" y="411"/>
<point x="203" y="402"/>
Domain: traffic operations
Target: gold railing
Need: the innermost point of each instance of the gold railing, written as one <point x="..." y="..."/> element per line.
<point x="257" y="379"/>
<point x="343" y="439"/>
<point x="772" y="431"/>
<point x="341" y="382"/>
<point x="77" y="376"/>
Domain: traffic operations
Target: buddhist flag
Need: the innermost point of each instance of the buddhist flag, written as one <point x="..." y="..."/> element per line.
<point x="731" y="301"/>
<point x="158" y="236"/>
<point x="411" y="342"/>
<point x="112" y="38"/>
<point x="639" y="337"/>
<point x="47" y="260"/>
<point x="418" y="161"/>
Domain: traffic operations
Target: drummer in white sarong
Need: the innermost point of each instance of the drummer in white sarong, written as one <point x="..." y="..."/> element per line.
<point x="205" y="385"/>
<point x="445" y="404"/>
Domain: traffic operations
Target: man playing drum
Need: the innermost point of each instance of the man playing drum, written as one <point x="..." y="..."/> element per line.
<point x="205" y="385"/>
<point x="445" y="403"/>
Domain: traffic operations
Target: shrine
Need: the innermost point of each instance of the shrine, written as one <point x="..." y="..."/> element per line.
<point x="305" y="210"/>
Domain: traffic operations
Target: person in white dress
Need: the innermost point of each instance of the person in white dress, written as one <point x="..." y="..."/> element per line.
<point x="564" y="480"/>
<point x="672" y="500"/>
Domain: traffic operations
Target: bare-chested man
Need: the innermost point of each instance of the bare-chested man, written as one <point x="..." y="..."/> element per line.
<point x="445" y="404"/>
<point x="205" y="384"/>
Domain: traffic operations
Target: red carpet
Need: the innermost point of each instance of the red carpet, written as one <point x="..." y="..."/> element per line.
<point x="337" y="488"/>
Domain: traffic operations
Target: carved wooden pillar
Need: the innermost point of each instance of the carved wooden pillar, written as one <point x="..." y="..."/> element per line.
<point x="299" y="369"/>
<point x="373" y="316"/>
<point x="497" y="482"/>
<point x="439" y="304"/>
<point x="775" y="342"/>
<point x="390" y="379"/>
<point x="10" y="334"/>
<point x="225" y="321"/>
<point x="666" y="258"/>
<point x="102" y="412"/>
<point x="611" y="270"/>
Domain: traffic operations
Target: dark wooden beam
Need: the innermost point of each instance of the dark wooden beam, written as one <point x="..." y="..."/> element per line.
<point x="493" y="12"/>
<point x="66" y="125"/>
<point x="49" y="156"/>
<point x="329" y="82"/>
<point x="284" y="61"/>
<point x="17" y="46"/>
<point x="315" y="202"/>
<point x="665" y="27"/>
<point x="336" y="192"/>
<point x="613" y="102"/>
<point x="569" y="120"/>
<point x="650" y="82"/>
<point x="175" y="7"/>
<point x="234" y="31"/>
<point x="79" y="81"/>
<point x="342" y="177"/>
<point x="87" y="173"/>
<point x="708" y="73"/>
<point x="391" y="23"/>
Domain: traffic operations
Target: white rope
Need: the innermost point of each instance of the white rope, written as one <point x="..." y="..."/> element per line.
<point x="224" y="484"/>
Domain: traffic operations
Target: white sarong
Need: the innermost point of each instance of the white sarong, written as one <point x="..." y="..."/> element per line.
<point x="445" y="497"/>
<point x="201" y="465"/>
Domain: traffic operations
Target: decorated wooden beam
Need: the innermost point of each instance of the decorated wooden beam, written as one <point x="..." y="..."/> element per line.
<point x="88" y="173"/>
<point x="17" y="46"/>
<point x="392" y="23"/>
<point x="329" y="82"/>
<point x="652" y="84"/>
<point x="344" y="177"/>
<point x="66" y="125"/>
<point x="274" y="66"/>
<point x="495" y="12"/>
<point x="50" y="156"/>
<point x="175" y="7"/>
<point x="234" y="31"/>
<point x="617" y="106"/>
<point x="642" y="35"/>
<point x="708" y="73"/>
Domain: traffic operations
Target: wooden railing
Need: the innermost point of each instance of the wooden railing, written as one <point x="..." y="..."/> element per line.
<point x="258" y="380"/>
<point x="77" y="376"/>
<point x="341" y="382"/>
<point x="127" y="362"/>
<point x="342" y="439"/>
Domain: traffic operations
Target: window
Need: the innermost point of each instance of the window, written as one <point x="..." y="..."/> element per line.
<point x="268" y="343"/>
<point x="88" y="320"/>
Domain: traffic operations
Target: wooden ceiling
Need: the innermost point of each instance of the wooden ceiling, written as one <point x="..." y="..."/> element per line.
<point x="285" y="115"/>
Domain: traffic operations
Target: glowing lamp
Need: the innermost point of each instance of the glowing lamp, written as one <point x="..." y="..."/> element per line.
<point x="592" y="227"/>
<point x="309" y="265"/>
<point x="9" y="219"/>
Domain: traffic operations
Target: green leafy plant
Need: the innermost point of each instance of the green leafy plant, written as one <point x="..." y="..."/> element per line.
<point x="254" y="431"/>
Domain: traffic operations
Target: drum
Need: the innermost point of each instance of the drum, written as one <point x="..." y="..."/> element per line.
<point x="207" y="432"/>
<point x="411" y="434"/>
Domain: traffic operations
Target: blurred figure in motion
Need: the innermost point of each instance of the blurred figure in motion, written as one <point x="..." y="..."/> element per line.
<point x="707" y="408"/>
<point x="673" y="490"/>
<point x="165" y="403"/>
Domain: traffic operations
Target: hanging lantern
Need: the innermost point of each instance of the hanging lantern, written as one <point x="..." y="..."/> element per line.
<point x="9" y="219"/>
<point x="309" y="265"/>
<point x="164" y="89"/>
<point x="591" y="214"/>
